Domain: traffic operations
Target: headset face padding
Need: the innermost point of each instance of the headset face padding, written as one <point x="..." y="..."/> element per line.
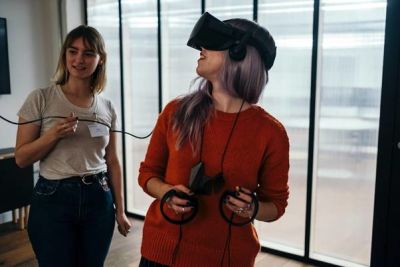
<point x="212" y="34"/>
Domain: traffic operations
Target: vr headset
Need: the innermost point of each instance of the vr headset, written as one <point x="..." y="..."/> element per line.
<point x="213" y="34"/>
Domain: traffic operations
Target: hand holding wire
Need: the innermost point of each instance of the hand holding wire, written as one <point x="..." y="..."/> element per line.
<point x="66" y="127"/>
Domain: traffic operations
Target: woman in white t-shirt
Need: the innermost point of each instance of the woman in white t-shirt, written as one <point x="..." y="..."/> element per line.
<point x="79" y="193"/>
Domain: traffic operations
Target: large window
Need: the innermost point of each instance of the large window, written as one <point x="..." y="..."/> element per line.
<point x="103" y="15"/>
<point x="287" y="97"/>
<point x="346" y="130"/>
<point x="344" y="117"/>
<point x="227" y="9"/>
<point x="141" y="76"/>
<point x="178" y="60"/>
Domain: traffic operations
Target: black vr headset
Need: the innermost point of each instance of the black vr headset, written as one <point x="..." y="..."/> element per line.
<point x="213" y="34"/>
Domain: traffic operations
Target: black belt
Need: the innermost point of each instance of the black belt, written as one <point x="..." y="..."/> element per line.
<point x="87" y="179"/>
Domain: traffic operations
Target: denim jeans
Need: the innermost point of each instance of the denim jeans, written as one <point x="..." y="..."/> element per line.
<point x="70" y="223"/>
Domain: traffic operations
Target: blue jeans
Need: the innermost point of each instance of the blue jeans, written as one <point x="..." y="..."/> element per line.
<point x="70" y="223"/>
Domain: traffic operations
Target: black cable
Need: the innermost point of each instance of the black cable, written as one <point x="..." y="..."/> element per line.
<point x="176" y="249"/>
<point x="87" y="120"/>
<point x="228" y="243"/>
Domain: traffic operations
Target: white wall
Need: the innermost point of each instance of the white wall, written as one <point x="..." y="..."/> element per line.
<point x="32" y="30"/>
<point x="34" y="41"/>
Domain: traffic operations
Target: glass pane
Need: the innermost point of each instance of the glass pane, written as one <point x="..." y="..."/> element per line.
<point x="103" y="15"/>
<point x="140" y="46"/>
<point x="228" y="9"/>
<point x="178" y="60"/>
<point x="287" y="97"/>
<point x="347" y="118"/>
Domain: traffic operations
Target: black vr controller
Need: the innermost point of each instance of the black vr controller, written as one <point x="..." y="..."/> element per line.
<point x="241" y="221"/>
<point x="192" y="202"/>
<point x="200" y="184"/>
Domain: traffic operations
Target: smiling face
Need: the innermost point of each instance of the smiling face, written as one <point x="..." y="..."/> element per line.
<point x="81" y="60"/>
<point x="210" y="63"/>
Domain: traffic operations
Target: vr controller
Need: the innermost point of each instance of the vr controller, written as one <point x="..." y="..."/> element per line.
<point x="193" y="203"/>
<point x="241" y="222"/>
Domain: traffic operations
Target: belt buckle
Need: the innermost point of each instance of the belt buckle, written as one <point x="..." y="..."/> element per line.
<point x="84" y="179"/>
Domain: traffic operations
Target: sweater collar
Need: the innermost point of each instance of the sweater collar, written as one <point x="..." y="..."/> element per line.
<point x="245" y="114"/>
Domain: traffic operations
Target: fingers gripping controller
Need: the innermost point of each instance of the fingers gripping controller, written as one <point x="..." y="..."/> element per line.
<point x="193" y="203"/>
<point x="230" y="220"/>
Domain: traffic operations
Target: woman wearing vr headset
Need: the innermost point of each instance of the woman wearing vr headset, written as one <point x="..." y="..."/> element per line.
<point x="216" y="160"/>
<point x="72" y="215"/>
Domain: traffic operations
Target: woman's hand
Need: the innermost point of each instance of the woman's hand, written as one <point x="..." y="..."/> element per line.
<point x="180" y="205"/>
<point x="242" y="204"/>
<point x="124" y="224"/>
<point x="65" y="127"/>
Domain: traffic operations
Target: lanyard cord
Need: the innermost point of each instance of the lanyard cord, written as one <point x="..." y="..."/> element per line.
<point x="227" y="142"/>
<point x="176" y="249"/>
<point x="228" y="243"/>
<point x="79" y="119"/>
<point x="227" y="246"/>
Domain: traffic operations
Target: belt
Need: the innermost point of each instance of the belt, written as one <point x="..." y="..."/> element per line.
<point x="87" y="178"/>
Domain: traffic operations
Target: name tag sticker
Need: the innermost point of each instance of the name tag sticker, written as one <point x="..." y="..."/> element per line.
<point x="97" y="130"/>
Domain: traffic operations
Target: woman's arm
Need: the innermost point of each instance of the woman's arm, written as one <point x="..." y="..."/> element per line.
<point x="273" y="191"/>
<point x="31" y="147"/>
<point x="267" y="212"/>
<point x="114" y="169"/>
<point x="157" y="188"/>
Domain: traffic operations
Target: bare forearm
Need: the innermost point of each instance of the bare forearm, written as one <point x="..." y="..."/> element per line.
<point x="116" y="181"/>
<point x="36" y="150"/>
<point x="31" y="147"/>
<point x="267" y="211"/>
<point x="157" y="188"/>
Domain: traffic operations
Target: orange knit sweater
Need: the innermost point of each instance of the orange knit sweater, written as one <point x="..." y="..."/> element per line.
<point x="257" y="158"/>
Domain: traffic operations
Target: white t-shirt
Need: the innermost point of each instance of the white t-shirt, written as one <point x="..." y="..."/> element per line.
<point x="79" y="153"/>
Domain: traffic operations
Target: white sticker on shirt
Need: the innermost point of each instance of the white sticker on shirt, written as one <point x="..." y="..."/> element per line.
<point x="97" y="130"/>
